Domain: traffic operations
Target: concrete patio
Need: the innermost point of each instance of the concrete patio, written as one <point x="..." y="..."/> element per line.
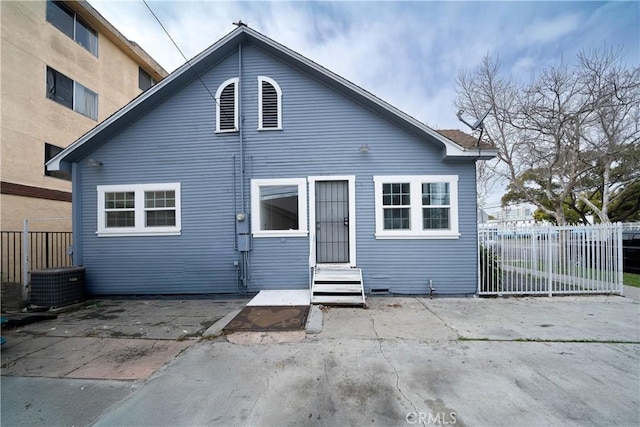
<point x="111" y="339"/>
<point x="503" y="361"/>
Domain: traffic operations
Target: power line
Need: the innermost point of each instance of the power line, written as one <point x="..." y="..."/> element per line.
<point x="187" y="61"/>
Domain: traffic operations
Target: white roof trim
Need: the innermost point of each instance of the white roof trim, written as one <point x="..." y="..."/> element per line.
<point x="451" y="148"/>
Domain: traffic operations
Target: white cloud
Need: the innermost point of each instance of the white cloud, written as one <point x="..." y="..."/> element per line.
<point x="407" y="53"/>
<point x="551" y="29"/>
<point x="522" y="66"/>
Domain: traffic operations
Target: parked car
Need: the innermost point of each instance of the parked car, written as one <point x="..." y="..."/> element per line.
<point x="543" y="234"/>
<point x="631" y="251"/>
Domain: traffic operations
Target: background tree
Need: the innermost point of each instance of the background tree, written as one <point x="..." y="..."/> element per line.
<point x="567" y="139"/>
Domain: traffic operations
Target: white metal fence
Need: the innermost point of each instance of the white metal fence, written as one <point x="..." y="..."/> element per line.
<point x="550" y="260"/>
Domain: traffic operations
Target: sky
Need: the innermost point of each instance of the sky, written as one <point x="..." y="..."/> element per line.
<point x="406" y="53"/>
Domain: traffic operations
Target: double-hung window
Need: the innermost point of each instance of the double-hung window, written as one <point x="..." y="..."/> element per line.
<point x="416" y="206"/>
<point x="71" y="94"/>
<point x="227" y="106"/>
<point x="396" y="205"/>
<point x="140" y="209"/>
<point x="279" y="207"/>
<point x="436" y="205"/>
<point x="269" y="104"/>
<point x="68" y="21"/>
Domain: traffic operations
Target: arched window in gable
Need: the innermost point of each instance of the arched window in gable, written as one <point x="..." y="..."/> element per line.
<point x="269" y="104"/>
<point x="227" y="106"/>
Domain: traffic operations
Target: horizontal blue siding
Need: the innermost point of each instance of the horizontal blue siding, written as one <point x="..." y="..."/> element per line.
<point x="322" y="131"/>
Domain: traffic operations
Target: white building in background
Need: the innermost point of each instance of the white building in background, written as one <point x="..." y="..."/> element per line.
<point x="483" y="216"/>
<point x="516" y="215"/>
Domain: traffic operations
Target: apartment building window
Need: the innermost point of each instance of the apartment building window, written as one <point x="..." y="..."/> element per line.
<point x="67" y="21"/>
<point x="71" y="94"/>
<point x="50" y="151"/>
<point x="145" y="81"/>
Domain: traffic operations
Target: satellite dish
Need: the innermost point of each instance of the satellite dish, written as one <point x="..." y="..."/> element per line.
<point x="479" y="124"/>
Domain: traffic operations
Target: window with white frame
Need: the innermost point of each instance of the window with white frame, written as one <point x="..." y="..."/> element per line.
<point x="227" y="106"/>
<point x="279" y="207"/>
<point x="416" y="206"/>
<point x="139" y="209"/>
<point x="269" y="104"/>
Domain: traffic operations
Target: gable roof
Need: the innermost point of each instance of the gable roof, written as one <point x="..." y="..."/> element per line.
<point x="219" y="50"/>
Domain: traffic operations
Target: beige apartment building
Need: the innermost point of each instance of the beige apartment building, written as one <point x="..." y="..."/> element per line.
<point x="63" y="69"/>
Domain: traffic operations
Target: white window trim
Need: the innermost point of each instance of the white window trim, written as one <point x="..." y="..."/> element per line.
<point x="302" y="207"/>
<point x="235" y="81"/>
<point x="416" y="231"/>
<point x="140" y="229"/>
<point x="279" y="94"/>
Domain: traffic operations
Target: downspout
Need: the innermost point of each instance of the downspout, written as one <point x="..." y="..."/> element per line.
<point x="245" y="254"/>
<point x="76" y="213"/>
<point x="242" y="201"/>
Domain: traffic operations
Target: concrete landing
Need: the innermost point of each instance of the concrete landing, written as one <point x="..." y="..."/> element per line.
<point x="281" y="298"/>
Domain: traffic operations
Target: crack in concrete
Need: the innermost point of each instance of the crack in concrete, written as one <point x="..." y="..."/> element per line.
<point x="255" y="404"/>
<point x="324" y="365"/>
<point x="455" y="331"/>
<point x="384" y="355"/>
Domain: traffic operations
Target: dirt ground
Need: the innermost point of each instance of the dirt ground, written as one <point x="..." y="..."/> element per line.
<point x="11" y="297"/>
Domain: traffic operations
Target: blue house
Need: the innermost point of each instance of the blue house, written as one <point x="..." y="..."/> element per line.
<point x="253" y="168"/>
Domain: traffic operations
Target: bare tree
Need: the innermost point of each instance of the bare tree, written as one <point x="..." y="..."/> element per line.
<point x="560" y="131"/>
<point x="616" y="129"/>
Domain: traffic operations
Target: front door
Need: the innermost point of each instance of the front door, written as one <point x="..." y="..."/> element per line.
<point x="332" y="222"/>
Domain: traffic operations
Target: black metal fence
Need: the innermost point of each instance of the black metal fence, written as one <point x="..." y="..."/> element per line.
<point x="47" y="249"/>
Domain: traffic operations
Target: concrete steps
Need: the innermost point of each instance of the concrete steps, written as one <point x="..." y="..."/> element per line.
<point x="334" y="285"/>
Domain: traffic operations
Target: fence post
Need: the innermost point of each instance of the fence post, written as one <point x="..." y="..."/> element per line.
<point x="480" y="260"/>
<point x="46" y="248"/>
<point x="620" y="265"/>
<point x="549" y="265"/>
<point x="25" y="259"/>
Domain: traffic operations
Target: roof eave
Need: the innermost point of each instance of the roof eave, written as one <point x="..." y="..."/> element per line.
<point x="476" y="153"/>
<point x="451" y="149"/>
